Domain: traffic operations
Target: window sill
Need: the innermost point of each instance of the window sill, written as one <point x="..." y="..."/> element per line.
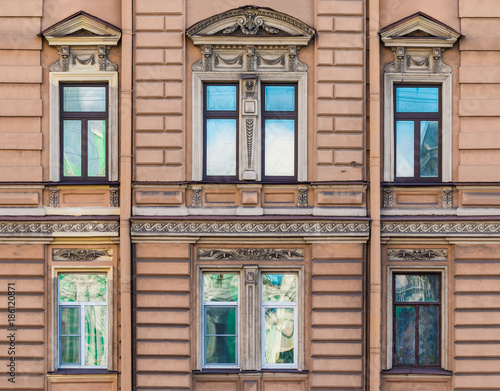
<point x="417" y="371"/>
<point x="229" y="371"/>
<point x="81" y="371"/>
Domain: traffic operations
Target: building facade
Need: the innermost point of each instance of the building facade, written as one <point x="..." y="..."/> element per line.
<point x="298" y="195"/>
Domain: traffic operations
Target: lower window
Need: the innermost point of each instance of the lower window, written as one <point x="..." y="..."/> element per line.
<point x="416" y="319"/>
<point x="82" y="320"/>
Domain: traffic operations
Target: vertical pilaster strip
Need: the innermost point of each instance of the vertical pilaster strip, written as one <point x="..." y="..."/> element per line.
<point x="250" y="326"/>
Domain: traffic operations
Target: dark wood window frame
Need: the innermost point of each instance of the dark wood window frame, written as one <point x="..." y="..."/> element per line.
<point x="417" y="306"/>
<point x="220" y="115"/>
<point x="417" y="117"/>
<point x="290" y="115"/>
<point x="84" y="117"/>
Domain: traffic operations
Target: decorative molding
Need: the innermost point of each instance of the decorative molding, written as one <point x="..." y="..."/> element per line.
<point x="80" y="254"/>
<point x="303" y="198"/>
<point x="270" y="62"/>
<point x="250" y="254"/>
<point x="89" y="60"/>
<point x="54" y="197"/>
<point x="238" y="60"/>
<point x="252" y="228"/>
<point x="447" y="198"/>
<point x="114" y="197"/>
<point x="388" y="198"/>
<point x="417" y="254"/>
<point x="250" y="54"/>
<point x="250" y="23"/>
<point x="249" y="124"/>
<point x="104" y="64"/>
<point x="36" y="228"/>
<point x="196" y="198"/>
<point x="445" y="228"/>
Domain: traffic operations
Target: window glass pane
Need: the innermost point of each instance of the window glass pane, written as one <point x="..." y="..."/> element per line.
<point x="220" y="350"/>
<point x="82" y="287"/>
<point x="96" y="148"/>
<point x="279" y="147"/>
<point x="221" y="147"/>
<point x="95" y="335"/>
<point x="84" y="98"/>
<point x="429" y="140"/>
<point x="279" y="287"/>
<point x="280" y="98"/>
<point x="220" y="335"/>
<point x="72" y="148"/>
<point x="422" y="288"/>
<point x="417" y="99"/>
<point x="220" y="287"/>
<point x="404" y="341"/>
<point x="221" y="98"/>
<point x="220" y="320"/>
<point x="404" y="149"/>
<point x="70" y="320"/>
<point x="279" y="335"/>
<point x="428" y="335"/>
<point x="70" y="350"/>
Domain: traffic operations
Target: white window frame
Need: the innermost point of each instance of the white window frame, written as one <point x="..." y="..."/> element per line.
<point x="445" y="80"/>
<point x="111" y="78"/>
<point x="108" y="271"/>
<point x="443" y="271"/>
<point x="197" y="103"/>
<point x="221" y="304"/>
<point x="273" y="304"/>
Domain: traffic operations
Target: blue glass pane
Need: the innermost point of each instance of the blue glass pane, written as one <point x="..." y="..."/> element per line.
<point x="72" y="148"/>
<point x="404" y="148"/>
<point x="404" y="340"/>
<point x="84" y="99"/>
<point x="428" y="336"/>
<point x="280" y="98"/>
<point x="417" y="99"/>
<point x="221" y="147"/>
<point x="96" y="148"/>
<point x="279" y="147"/>
<point x="421" y="288"/>
<point x="221" y="98"/>
<point x="429" y="146"/>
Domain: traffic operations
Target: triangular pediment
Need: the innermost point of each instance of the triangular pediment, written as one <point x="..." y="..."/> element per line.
<point x="82" y="29"/>
<point x="250" y="24"/>
<point x="419" y="30"/>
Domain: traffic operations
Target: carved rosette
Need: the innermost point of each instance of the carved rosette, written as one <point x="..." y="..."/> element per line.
<point x="252" y="254"/>
<point x="417" y="254"/>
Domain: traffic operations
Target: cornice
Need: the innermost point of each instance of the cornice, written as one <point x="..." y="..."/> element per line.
<point x="58" y="228"/>
<point x="442" y="228"/>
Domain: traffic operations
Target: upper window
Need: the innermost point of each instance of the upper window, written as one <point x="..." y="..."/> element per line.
<point x="82" y="332"/>
<point x="417" y="118"/>
<point x="417" y="319"/>
<point x="84" y="124"/>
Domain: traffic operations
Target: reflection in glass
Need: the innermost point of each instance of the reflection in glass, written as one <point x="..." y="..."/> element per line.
<point x="84" y="99"/>
<point x="96" y="148"/>
<point x="428" y="335"/>
<point x="95" y="335"/>
<point x="70" y="350"/>
<point x="417" y="288"/>
<point x="82" y="287"/>
<point x="221" y="147"/>
<point x="280" y="98"/>
<point x="429" y="140"/>
<point x="220" y="287"/>
<point x="221" y="98"/>
<point x="417" y="99"/>
<point x="220" y="335"/>
<point x="404" y="149"/>
<point x="279" y="147"/>
<point x="70" y="320"/>
<point x="279" y="287"/>
<point x="279" y="335"/>
<point x="404" y="349"/>
<point x="72" y="148"/>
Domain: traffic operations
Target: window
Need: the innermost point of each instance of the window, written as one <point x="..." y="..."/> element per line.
<point x="82" y="330"/>
<point x="279" y="127"/>
<point x="220" y="124"/>
<point x="224" y="325"/>
<point x="84" y="124"/>
<point x="417" y="319"/>
<point x="417" y="118"/>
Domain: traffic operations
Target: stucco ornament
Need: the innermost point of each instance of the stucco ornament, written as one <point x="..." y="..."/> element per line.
<point x="254" y="254"/>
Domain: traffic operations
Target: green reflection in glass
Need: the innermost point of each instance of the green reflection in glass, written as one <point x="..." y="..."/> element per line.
<point x="279" y="287"/>
<point x="279" y="335"/>
<point x="84" y="99"/>
<point x="220" y="335"/>
<point x="417" y="99"/>
<point x="405" y="148"/>
<point x="428" y="335"/>
<point x="279" y="147"/>
<point x="220" y="287"/>
<point x="220" y="350"/>
<point x="72" y="148"/>
<point x="280" y="98"/>
<point x="82" y="287"/>
<point x="95" y="335"/>
<point x="429" y="146"/>
<point x="221" y="98"/>
<point x="96" y="133"/>
<point x="70" y="350"/>
<point x="417" y="288"/>
<point x="404" y="340"/>
<point x="70" y="320"/>
<point x="221" y="147"/>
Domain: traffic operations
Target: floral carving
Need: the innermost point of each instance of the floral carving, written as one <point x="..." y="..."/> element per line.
<point x="254" y="254"/>
<point x="417" y="255"/>
<point x="73" y="254"/>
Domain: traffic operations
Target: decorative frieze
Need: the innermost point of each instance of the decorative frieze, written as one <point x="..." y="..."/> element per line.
<point x="250" y="254"/>
<point x="440" y="228"/>
<point x="417" y="254"/>
<point x="81" y="254"/>
<point x="53" y="228"/>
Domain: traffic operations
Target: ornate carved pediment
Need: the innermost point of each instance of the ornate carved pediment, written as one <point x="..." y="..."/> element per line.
<point x="83" y="42"/>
